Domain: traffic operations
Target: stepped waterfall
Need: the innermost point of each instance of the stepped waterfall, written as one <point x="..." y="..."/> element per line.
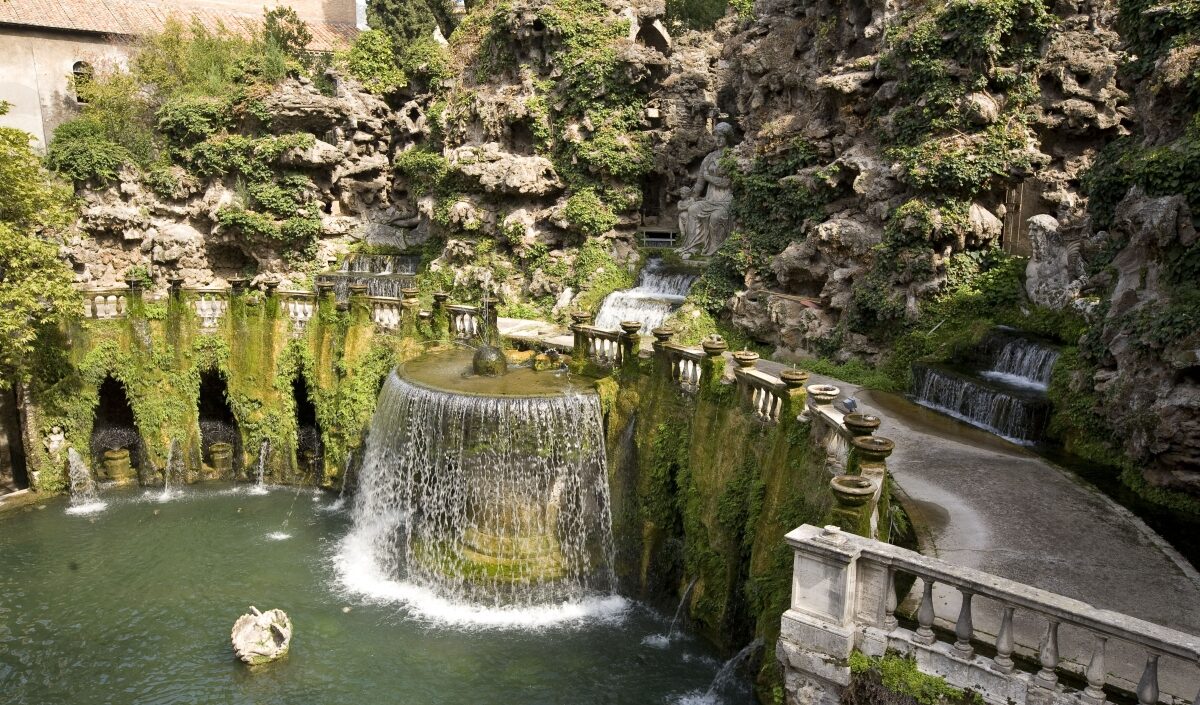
<point x="494" y="502"/>
<point x="657" y="293"/>
<point x="1004" y="392"/>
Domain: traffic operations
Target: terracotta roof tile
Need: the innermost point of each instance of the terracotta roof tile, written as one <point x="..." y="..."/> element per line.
<point x="137" y="17"/>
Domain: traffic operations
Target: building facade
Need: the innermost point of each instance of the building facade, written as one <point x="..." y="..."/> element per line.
<point x="44" y="43"/>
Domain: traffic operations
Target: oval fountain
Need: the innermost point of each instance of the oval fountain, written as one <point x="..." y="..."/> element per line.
<point x="484" y="497"/>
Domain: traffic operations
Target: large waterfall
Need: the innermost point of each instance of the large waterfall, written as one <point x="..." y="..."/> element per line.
<point x="479" y="503"/>
<point x="1006" y="393"/>
<point x="658" y="292"/>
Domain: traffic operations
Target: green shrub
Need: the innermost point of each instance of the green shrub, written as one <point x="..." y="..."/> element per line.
<point x="189" y="119"/>
<point x="371" y="60"/>
<point x="588" y="215"/>
<point x="248" y="223"/>
<point x="81" y="151"/>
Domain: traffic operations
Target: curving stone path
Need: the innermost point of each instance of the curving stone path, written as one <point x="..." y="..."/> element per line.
<point x="982" y="502"/>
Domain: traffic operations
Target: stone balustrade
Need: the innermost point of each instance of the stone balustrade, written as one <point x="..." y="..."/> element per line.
<point x="387" y="312"/>
<point x="762" y="393"/>
<point x="465" y="321"/>
<point x="844" y="598"/>
<point x="601" y="347"/>
<point x="685" y="367"/>
<point x="107" y="303"/>
<point x="298" y="306"/>
<point x="829" y="430"/>
<point x="210" y="304"/>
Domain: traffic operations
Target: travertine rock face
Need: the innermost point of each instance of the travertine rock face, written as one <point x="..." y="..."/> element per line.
<point x="261" y="637"/>
<point x="1154" y="390"/>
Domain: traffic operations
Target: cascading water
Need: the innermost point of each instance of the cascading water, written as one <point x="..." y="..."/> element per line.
<point x="1007" y="395"/>
<point x="1019" y="361"/>
<point x="724" y="678"/>
<point x="661" y="641"/>
<point x="658" y="292"/>
<point x="85" y="499"/>
<point x="484" y="508"/>
<point x="383" y="275"/>
<point x="260" y="485"/>
<point x="173" y="470"/>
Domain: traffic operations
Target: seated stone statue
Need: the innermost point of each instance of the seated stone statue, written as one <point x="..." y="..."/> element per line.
<point x="704" y="222"/>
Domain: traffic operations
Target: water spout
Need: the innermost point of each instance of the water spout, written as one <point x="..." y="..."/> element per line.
<point x="264" y="451"/>
<point x="679" y="610"/>
<point x="85" y="499"/>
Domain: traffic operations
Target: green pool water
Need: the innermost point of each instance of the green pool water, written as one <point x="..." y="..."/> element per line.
<point x="134" y="605"/>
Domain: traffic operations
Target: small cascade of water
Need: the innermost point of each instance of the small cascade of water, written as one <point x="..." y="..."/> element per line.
<point x="488" y="506"/>
<point x="1001" y="389"/>
<point x="679" y="609"/>
<point x="724" y="678"/>
<point x="85" y="498"/>
<point x="260" y="485"/>
<point x="657" y="293"/>
<point x="1019" y="362"/>
<point x="383" y="275"/>
<point x="172" y="471"/>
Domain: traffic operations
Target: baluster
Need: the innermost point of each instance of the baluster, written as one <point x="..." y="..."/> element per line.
<point x="1004" y="641"/>
<point x="1147" y="690"/>
<point x="964" y="629"/>
<point x="121" y="305"/>
<point x="925" y="614"/>
<point x="889" y="601"/>
<point x="1048" y="653"/>
<point x="1094" y="692"/>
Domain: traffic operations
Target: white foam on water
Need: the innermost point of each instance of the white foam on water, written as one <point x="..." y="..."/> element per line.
<point x="279" y="536"/>
<point x="657" y="641"/>
<point x="336" y="505"/>
<point x="87" y="508"/>
<point x="258" y="490"/>
<point x="1014" y="380"/>
<point x="698" y="697"/>
<point x="359" y="575"/>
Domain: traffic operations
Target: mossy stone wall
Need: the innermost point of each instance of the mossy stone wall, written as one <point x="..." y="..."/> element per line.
<point x="159" y="351"/>
<point x="702" y="490"/>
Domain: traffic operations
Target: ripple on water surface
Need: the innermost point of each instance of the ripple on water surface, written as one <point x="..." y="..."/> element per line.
<point x="135" y="604"/>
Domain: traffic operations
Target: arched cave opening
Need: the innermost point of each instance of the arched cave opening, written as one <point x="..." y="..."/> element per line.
<point x="520" y="137"/>
<point x="220" y="441"/>
<point x="651" y="34"/>
<point x="230" y="261"/>
<point x="13" y="472"/>
<point x="116" y="443"/>
<point x="309" y="449"/>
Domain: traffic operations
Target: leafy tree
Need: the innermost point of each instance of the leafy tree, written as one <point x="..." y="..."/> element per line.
<point x="407" y="21"/>
<point x="35" y="285"/>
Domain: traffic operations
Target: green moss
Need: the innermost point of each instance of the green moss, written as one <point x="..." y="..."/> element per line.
<point x="588" y="215"/>
<point x="900" y="675"/>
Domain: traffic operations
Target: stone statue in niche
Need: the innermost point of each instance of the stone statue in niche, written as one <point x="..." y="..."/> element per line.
<point x="55" y="441"/>
<point x="704" y="220"/>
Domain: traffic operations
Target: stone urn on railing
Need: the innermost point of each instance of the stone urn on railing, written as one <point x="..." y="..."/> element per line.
<point x="823" y="394"/>
<point x="580" y="318"/>
<point x="852" y="491"/>
<point x="663" y="334"/>
<point x="745" y="359"/>
<point x="859" y="424"/>
<point x="872" y="450"/>
<point x="714" y="346"/>
<point x="793" y="378"/>
<point x="631" y="327"/>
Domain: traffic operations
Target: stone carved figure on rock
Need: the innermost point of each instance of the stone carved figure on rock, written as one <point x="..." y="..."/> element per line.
<point x="706" y="222"/>
<point x="261" y="637"/>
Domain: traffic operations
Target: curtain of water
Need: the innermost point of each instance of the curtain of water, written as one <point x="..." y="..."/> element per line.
<point x="498" y="501"/>
<point x="658" y="292"/>
<point x="1016" y="417"/>
<point x="1021" y="362"/>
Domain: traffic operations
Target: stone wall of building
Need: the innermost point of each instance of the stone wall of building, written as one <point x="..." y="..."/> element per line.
<point x="35" y="74"/>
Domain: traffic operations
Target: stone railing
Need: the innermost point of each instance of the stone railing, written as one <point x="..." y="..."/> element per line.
<point x="471" y="321"/>
<point x="762" y="393"/>
<point x="602" y="347"/>
<point x="298" y="306"/>
<point x="106" y="303"/>
<point x="684" y="364"/>
<point x="210" y="305"/>
<point x="844" y="598"/>
<point x="387" y="312"/>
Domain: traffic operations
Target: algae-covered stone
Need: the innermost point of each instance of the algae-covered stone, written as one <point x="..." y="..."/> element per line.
<point x="261" y="637"/>
<point x="489" y="362"/>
